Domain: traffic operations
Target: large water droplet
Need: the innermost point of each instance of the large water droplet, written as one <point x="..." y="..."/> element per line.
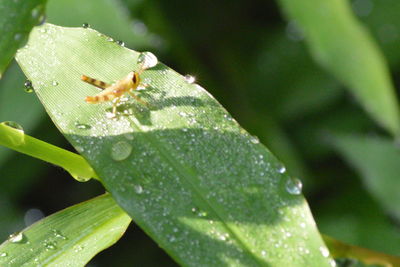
<point x="190" y="79"/>
<point x="138" y="189"/>
<point x="79" y="178"/>
<point x="254" y="140"/>
<point x="121" y="150"/>
<point x="19" y="137"/>
<point x="28" y="86"/>
<point x="147" y="60"/>
<point x="324" y="251"/>
<point x="16" y="237"/>
<point x="294" y="186"/>
<point x="82" y="126"/>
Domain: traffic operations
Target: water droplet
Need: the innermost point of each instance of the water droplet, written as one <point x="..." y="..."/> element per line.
<point x="54" y="83"/>
<point x="199" y="212"/>
<point x="79" y="178"/>
<point x="3" y="254"/>
<point x="282" y="169"/>
<point x="254" y="140"/>
<point x="16" y="237"/>
<point x="147" y="60"/>
<point x="190" y="79"/>
<point x="42" y="19"/>
<point x="294" y="186"/>
<point x="19" y="137"/>
<point x="79" y="149"/>
<point x="138" y="189"/>
<point x="121" y="150"/>
<point x="263" y="253"/>
<point x="49" y="245"/>
<point x="78" y="248"/>
<point x="82" y="126"/>
<point x="85" y="25"/>
<point x="58" y="234"/>
<point x="324" y="251"/>
<point x="121" y="43"/>
<point x="28" y="86"/>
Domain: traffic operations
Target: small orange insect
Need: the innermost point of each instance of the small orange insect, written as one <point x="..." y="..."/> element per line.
<point x="116" y="90"/>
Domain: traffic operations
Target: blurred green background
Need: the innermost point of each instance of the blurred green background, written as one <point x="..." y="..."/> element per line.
<point x="255" y="62"/>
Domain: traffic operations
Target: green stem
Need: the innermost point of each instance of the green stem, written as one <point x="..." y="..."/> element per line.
<point x="339" y="249"/>
<point x="76" y="165"/>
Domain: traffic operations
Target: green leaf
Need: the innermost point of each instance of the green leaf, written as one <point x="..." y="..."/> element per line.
<point x="108" y="16"/>
<point x="70" y="237"/>
<point x="16" y="21"/>
<point x="183" y="169"/>
<point x="377" y="160"/>
<point x="339" y="43"/>
<point x="14" y="138"/>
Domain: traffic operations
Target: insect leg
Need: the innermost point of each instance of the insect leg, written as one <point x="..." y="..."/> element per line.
<point x="115" y="103"/>
<point x="94" y="82"/>
<point x="138" y="98"/>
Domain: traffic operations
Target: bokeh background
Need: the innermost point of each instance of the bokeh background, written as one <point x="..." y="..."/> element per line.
<point x="256" y="64"/>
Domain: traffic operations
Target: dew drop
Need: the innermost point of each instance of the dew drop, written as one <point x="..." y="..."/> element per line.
<point x="263" y="253"/>
<point x="147" y="60"/>
<point x="82" y="126"/>
<point x="282" y="169"/>
<point x="49" y="245"/>
<point x="121" y="150"/>
<point x="138" y="189"/>
<point x="190" y="79"/>
<point x="79" y="178"/>
<point x="42" y="19"/>
<point x="3" y="254"/>
<point x="79" y="149"/>
<point x="28" y="86"/>
<point x="324" y="251"/>
<point x="121" y="43"/>
<point x="85" y="25"/>
<point x="78" y="248"/>
<point x="58" y="234"/>
<point x="18" y="138"/>
<point x="16" y="237"/>
<point x="294" y="186"/>
<point x="254" y="140"/>
<point x="54" y="83"/>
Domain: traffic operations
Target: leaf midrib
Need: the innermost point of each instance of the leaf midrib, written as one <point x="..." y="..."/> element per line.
<point x="186" y="172"/>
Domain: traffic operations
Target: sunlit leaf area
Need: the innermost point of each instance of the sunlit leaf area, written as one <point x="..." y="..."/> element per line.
<point x="199" y="133"/>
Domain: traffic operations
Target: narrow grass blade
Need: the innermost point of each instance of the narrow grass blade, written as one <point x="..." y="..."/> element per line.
<point x="340" y="44"/>
<point x="16" y="21"/>
<point x="17" y="140"/>
<point x="70" y="237"/>
<point x="376" y="159"/>
<point x="208" y="192"/>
